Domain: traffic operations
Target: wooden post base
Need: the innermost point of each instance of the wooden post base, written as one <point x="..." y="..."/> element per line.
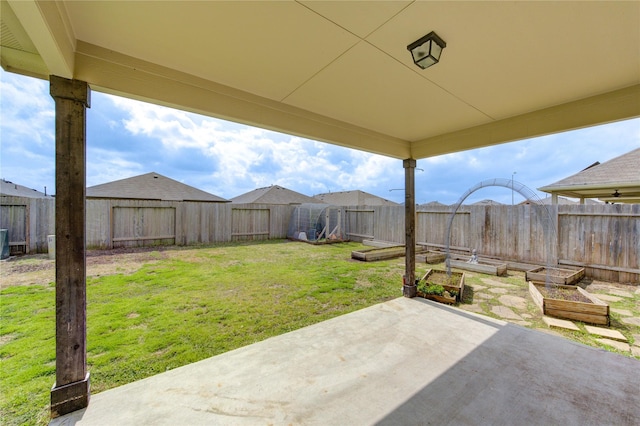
<point x="68" y="398"/>
<point x="409" y="290"/>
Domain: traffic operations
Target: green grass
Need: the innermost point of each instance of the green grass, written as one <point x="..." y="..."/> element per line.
<point x="187" y="304"/>
<point x="193" y="305"/>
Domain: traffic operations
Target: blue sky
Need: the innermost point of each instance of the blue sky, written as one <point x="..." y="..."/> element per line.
<point x="127" y="138"/>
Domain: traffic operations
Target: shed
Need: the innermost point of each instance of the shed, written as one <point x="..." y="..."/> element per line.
<point x="614" y="181"/>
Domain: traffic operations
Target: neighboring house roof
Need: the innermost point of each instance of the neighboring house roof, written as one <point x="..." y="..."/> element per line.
<point x="487" y="203"/>
<point x="561" y="200"/>
<point x="432" y="204"/>
<point x="8" y="188"/>
<point x="616" y="180"/>
<point x="353" y="198"/>
<point x="273" y="194"/>
<point x="151" y="186"/>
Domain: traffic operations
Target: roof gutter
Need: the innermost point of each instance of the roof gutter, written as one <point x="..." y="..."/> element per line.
<point x="578" y="187"/>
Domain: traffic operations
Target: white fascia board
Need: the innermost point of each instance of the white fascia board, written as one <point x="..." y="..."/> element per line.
<point x="588" y="187"/>
<point x="49" y="33"/>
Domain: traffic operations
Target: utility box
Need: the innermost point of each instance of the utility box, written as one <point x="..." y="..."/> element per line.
<point x="51" y="245"/>
<point x="4" y="243"/>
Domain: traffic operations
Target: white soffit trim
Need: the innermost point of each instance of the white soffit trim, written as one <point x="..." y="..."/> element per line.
<point x="49" y="32"/>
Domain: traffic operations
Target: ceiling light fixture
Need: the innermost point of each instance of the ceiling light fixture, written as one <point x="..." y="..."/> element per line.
<point x="427" y="50"/>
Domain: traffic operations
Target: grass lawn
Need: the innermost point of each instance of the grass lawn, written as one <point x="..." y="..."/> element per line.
<point x="153" y="311"/>
<point x="183" y="305"/>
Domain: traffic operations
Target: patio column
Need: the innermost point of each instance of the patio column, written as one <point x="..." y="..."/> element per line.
<point x="409" y="286"/>
<point x="71" y="389"/>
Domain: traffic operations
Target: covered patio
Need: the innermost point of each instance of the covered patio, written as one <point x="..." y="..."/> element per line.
<point x="402" y="362"/>
<point x="338" y="72"/>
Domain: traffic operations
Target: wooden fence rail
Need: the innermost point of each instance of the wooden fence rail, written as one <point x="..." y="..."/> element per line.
<point x="605" y="239"/>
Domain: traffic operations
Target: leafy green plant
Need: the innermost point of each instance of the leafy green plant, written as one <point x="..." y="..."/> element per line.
<point x="426" y="288"/>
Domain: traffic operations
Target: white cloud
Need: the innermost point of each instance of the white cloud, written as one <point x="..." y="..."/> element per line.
<point x="249" y="157"/>
<point x="27" y="110"/>
<point x="228" y="159"/>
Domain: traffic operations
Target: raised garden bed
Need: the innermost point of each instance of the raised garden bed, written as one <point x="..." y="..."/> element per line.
<point x="369" y="255"/>
<point x="431" y="256"/>
<point x="454" y="285"/>
<point x="569" y="302"/>
<point x="554" y="275"/>
<point x="483" y="266"/>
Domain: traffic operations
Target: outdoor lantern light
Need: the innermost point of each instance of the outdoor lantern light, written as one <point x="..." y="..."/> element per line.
<point x="427" y="50"/>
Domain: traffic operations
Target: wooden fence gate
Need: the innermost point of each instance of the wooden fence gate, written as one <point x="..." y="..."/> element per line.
<point x="15" y="218"/>
<point x="250" y="224"/>
<point x="142" y="226"/>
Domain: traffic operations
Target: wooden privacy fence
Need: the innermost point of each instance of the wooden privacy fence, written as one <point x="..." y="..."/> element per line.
<point x="605" y="239"/>
<point x="132" y="223"/>
<point x="118" y="223"/>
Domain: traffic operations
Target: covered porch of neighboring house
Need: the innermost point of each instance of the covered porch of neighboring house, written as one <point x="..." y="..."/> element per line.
<point x="614" y="181"/>
<point x="338" y="72"/>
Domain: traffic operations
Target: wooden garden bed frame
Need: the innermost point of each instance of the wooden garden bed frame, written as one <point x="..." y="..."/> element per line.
<point x="485" y="266"/>
<point x="555" y="275"/>
<point x="459" y="287"/>
<point x="596" y="312"/>
<point x="431" y="256"/>
<point x="382" y="253"/>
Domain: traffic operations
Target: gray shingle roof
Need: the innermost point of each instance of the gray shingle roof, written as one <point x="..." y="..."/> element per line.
<point x="353" y="198"/>
<point x="273" y="194"/>
<point x="620" y="174"/>
<point x="487" y="202"/>
<point x="433" y="204"/>
<point x="151" y="186"/>
<point x="11" y="189"/>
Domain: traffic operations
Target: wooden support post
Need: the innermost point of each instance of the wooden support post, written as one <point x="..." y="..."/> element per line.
<point x="409" y="285"/>
<point x="71" y="390"/>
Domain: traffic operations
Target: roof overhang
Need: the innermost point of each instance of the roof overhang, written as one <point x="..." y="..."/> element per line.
<point x="625" y="192"/>
<point x="340" y="72"/>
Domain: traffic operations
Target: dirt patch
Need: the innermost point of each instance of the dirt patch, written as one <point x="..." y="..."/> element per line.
<point x="40" y="270"/>
<point x="563" y="294"/>
<point x="6" y="338"/>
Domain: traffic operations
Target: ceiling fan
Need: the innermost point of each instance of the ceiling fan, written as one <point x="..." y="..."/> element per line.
<point x="616" y="194"/>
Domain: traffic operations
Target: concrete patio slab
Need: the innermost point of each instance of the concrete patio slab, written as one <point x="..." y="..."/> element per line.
<point x="402" y="362"/>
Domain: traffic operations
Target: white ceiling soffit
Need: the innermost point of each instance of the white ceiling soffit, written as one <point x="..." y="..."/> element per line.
<point x="340" y="72"/>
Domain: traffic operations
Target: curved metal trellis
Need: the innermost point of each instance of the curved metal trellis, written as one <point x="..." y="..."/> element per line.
<point x="506" y="183"/>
